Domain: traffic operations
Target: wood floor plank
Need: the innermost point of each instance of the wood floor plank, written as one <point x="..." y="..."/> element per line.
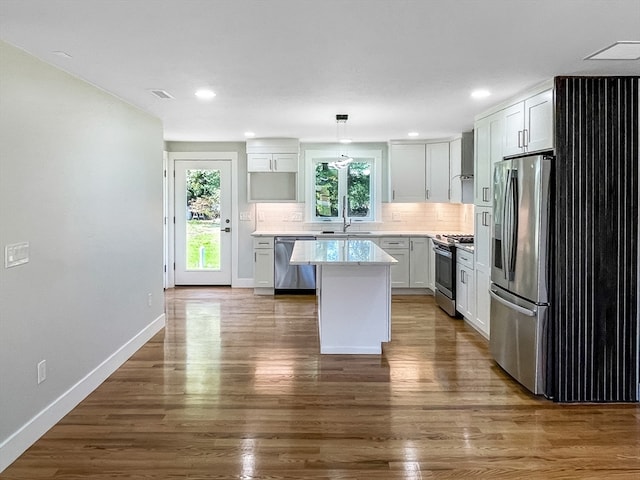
<point x="235" y="388"/>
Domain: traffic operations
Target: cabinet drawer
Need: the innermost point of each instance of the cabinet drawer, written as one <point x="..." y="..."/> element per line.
<point x="465" y="258"/>
<point x="263" y="242"/>
<point x="394" y="242"/>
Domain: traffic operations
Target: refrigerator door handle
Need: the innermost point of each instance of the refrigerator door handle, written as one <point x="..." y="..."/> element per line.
<point x="507" y="227"/>
<point x="503" y="227"/>
<point x="513" y="224"/>
<point x="513" y="306"/>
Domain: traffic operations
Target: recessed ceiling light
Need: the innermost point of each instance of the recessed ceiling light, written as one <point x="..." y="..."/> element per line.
<point x="413" y="134"/>
<point x="205" y="94"/>
<point x="249" y="134"/>
<point x="480" y="93"/>
<point x="618" y="51"/>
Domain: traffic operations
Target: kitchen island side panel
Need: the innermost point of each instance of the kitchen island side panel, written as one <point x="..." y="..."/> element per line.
<point x="594" y="335"/>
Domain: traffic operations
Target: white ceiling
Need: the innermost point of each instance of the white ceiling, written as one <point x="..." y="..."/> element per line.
<point x="287" y="67"/>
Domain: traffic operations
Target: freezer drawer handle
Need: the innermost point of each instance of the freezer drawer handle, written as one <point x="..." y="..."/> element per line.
<point x="513" y="306"/>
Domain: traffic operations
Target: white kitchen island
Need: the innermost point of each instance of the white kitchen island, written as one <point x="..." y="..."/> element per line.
<point x="353" y="283"/>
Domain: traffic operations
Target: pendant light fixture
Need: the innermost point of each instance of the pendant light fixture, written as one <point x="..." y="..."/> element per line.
<point x="343" y="138"/>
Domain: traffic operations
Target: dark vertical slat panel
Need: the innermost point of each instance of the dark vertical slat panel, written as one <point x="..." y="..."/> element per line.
<point x="595" y="305"/>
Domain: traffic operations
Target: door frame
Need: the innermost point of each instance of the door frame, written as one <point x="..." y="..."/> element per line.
<point x="170" y="232"/>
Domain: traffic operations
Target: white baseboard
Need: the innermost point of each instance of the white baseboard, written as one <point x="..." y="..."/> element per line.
<point x="28" y="434"/>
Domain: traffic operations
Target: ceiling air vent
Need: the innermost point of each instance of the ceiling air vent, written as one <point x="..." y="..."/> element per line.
<point x="162" y="94"/>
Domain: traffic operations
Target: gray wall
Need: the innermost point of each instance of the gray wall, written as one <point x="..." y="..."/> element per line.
<point x="81" y="180"/>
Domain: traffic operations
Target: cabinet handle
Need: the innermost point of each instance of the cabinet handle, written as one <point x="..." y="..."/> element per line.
<point x="449" y="194"/>
<point x="525" y="138"/>
<point x="485" y="192"/>
<point x="275" y="164"/>
<point x="393" y="197"/>
<point x="255" y="257"/>
<point x="485" y="216"/>
<point x="411" y="245"/>
<point x="428" y="193"/>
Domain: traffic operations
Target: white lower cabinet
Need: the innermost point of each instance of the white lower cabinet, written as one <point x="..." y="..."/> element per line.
<point x="483" y="303"/>
<point x="398" y="248"/>
<point x="482" y="269"/>
<point x="413" y="269"/>
<point x="465" y="290"/>
<point x="263" y="262"/>
<point x="419" y="262"/>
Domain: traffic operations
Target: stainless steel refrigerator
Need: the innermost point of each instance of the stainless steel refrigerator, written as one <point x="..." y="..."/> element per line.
<point x="520" y="269"/>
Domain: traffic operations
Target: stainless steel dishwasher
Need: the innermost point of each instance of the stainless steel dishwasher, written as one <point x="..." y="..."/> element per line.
<point x="297" y="279"/>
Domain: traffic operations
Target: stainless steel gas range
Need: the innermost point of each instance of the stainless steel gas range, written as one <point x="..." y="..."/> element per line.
<point x="445" y="250"/>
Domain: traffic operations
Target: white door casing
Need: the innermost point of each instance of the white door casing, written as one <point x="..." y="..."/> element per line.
<point x="193" y="274"/>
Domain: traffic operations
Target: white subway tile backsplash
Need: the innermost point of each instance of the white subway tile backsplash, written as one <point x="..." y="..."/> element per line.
<point x="442" y="217"/>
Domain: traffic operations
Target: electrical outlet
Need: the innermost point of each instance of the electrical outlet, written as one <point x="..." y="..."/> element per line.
<point x="245" y="216"/>
<point x="149" y="299"/>
<point x="42" y="371"/>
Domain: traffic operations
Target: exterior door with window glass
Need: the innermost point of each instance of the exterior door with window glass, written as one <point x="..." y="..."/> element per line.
<point x="202" y="222"/>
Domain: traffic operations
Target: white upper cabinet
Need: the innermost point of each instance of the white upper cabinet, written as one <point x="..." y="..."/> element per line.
<point x="437" y="180"/>
<point x="408" y="172"/>
<point x="272" y="162"/>
<point x="489" y="141"/>
<point x="420" y="172"/>
<point x="539" y="122"/>
<point x="272" y="166"/>
<point x="529" y="125"/>
<point x="513" y="129"/>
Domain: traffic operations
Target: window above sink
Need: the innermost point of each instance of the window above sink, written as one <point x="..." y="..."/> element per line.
<point x="360" y="182"/>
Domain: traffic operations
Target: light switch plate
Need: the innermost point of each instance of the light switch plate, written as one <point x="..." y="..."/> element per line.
<point x="16" y="254"/>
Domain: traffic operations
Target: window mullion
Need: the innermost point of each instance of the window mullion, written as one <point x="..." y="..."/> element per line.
<point x="342" y="189"/>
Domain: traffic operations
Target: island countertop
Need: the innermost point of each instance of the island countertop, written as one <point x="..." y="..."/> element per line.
<point x="339" y="252"/>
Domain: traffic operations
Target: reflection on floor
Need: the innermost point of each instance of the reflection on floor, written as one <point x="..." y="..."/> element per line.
<point x="235" y="388"/>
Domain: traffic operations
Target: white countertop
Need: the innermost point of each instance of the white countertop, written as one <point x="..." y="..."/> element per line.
<point x="350" y="233"/>
<point x="339" y="252"/>
<point x="468" y="247"/>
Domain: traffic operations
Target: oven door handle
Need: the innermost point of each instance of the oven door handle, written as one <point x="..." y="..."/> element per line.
<point x="443" y="252"/>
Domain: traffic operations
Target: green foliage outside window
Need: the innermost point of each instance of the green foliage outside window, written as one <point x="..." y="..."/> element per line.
<point x="326" y="190"/>
<point x="332" y="183"/>
<point x="203" y="194"/>
<point x="359" y="189"/>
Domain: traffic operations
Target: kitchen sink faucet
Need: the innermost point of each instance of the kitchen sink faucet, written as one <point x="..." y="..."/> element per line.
<point x="345" y="225"/>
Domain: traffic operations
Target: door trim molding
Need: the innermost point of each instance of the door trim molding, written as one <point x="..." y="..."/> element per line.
<point x="219" y="156"/>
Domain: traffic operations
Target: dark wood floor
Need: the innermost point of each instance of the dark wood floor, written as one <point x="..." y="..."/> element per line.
<point x="235" y="388"/>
